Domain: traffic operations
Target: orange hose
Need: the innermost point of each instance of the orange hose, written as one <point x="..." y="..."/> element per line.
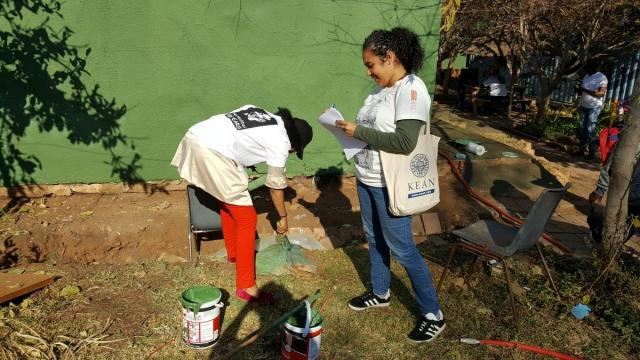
<point x="488" y="203"/>
<point x="530" y="348"/>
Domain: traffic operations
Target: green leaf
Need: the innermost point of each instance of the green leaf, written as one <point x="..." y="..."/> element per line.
<point x="25" y="303"/>
<point x="69" y="290"/>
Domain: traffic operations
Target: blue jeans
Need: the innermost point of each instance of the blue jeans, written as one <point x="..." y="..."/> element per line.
<point x="588" y="122"/>
<point x="388" y="233"/>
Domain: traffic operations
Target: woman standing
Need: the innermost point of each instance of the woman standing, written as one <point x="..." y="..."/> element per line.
<point x="213" y="156"/>
<point x="391" y="120"/>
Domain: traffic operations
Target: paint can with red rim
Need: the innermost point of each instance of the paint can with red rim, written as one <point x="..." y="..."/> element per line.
<point x="301" y="335"/>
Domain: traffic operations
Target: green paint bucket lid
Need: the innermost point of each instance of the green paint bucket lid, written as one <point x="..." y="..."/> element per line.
<point x="510" y="154"/>
<point x="299" y="318"/>
<point x="464" y="142"/>
<point x="460" y="156"/>
<point x="202" y="296"/>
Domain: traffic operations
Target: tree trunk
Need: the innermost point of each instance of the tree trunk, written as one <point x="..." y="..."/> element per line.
<point x="544" y="98"/>
<point x="542" y="102"/>
<point x="625" y="157"/>
<point x="446" y="81"/>
<point x="515" y="75"/>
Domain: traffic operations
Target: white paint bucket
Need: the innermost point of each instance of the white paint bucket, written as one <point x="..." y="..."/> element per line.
<point x="476" y="148"/>
<point x="201" y="316"/>
<point x="301" y="335"/>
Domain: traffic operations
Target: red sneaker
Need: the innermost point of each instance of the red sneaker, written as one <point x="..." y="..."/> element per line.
<point x="264" y="298"/>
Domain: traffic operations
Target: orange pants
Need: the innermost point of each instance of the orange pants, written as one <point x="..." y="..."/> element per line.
<point x="239" y="232"/>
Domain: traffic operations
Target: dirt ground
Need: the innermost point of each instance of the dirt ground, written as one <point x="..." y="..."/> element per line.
<point x="88" y="225"/>
<point x="132" y="226"/>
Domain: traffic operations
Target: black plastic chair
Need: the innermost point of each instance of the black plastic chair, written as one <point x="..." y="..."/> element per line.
<point x="495" y="241"/>
<point x="204" y="215"/>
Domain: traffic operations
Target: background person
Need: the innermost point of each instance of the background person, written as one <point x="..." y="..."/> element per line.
<point x="494" y="88"/>
<point x="390" y="120"/>
<point x="592" y="90"/>
<point x="213" y="156"/>
<point x="495" y="83"/>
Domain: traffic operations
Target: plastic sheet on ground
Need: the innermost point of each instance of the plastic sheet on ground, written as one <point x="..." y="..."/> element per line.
<point x="283" y="255"/>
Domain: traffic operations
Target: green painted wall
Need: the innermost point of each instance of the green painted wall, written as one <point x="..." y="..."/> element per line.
<point x="174" y="63"/>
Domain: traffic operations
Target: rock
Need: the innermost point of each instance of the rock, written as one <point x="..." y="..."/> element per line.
<point x="518" y="291"/>
<point x="60" y="190"/>
<point x="170" y="258"/>
<point x="484" y="311"/>
<point x="164" y="205"/>
<point x="536" y="270"/>
<point x="91" y="188"/>
<point x="460" y="283"/>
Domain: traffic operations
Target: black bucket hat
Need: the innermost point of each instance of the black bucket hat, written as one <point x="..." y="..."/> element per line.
<point x="299" y="131"/>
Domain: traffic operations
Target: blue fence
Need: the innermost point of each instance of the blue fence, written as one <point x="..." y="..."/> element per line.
<point x="622" y="77"/>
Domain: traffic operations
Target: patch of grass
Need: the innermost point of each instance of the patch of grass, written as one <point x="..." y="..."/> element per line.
<point x="562" y="123"/>
<point x="141" y="300"/>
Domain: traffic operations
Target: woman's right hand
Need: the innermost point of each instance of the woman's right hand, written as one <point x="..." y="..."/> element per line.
<point x="349" y="128"/>
<point x="282" y="226"/>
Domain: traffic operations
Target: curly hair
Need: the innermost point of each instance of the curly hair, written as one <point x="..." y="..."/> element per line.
<point x="402" y="41"/>
<point x="287" y="119"/>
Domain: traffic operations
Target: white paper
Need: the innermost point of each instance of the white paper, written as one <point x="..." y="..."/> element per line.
<point x="350" y="146"/>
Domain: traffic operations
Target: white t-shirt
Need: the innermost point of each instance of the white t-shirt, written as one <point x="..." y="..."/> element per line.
<point x="496" y="88"/>
<point x="381" y="110"/>
<point x="593" y="83"/>
<point x="249" y="135"/>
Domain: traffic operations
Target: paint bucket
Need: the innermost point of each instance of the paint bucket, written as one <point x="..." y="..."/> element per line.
<point x="301" y="335"/>
<point x="201" y="316"/>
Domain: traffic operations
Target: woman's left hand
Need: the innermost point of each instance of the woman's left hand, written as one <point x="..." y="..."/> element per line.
<point x="348" y="127"/>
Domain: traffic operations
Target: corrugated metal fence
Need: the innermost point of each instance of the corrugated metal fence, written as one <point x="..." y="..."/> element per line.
<point x="623" y="75"/>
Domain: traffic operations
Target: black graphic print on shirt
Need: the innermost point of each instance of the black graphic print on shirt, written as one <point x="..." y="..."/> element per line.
<point x="367" y="118"/>
<point x="250" y="117"/>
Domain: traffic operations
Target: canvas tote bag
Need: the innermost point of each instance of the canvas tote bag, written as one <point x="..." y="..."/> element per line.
<point x="412" y="180"/>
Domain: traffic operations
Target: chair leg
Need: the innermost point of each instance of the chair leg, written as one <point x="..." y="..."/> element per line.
<point x="196" y="240"/>
<point x="190" y="241"/>
<point x="546" y="268"/>
<point x="446" y="267"/>
<point x="470" y="270"/>
<point x="511" y="297"/>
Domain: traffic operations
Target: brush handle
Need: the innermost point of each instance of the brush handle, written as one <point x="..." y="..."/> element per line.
<point x="310" y="299"/>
